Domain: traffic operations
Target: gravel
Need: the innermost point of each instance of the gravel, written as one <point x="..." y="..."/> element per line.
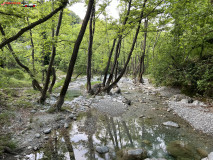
<point x="196" y="116"/>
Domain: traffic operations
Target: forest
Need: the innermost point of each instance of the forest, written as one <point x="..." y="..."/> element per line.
<point x="50" y="57"/>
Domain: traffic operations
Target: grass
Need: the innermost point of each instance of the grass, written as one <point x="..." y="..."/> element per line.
<point x="71" y="94"/>
<point x="59" y="83"/>
<point x="5" y="141"/>
<point x="5" y="117"/>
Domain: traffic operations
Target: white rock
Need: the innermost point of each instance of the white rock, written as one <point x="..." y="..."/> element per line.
<point x="210" y="156"/>
<point x="47" y="131"/>
<point x="171" y="124"/>
<point x="37" y="135"/>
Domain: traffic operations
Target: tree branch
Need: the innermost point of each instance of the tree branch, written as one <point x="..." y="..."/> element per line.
<point x="32" y="25"/>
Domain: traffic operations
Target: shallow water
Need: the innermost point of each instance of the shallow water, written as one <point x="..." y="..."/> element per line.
<point x="94" y="129"/>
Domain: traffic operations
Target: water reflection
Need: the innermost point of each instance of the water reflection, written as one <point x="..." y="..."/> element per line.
<point x="93" y="129"/>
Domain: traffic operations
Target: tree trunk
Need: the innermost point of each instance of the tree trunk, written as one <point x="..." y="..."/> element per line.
<point x="142" y="69"/>
<point x="35" y="83"/>
<point x="33" y="49"/>
<point x="60" y="100"/>
<point x="108" y="63"/>
<point x="118" y="46"/>
<point x="53" y="80"/>
<point x="108" y="88"/>
<point x="32" y="25"/>
<point x="91" y="35"/>
<point x="49" y="70"/>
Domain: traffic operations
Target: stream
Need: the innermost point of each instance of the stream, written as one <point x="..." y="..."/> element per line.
<point x="138" y="126"/>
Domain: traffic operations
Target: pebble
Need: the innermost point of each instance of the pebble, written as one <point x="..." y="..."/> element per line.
<point x="37" y="135"/>
<point x="169" y="109"/>
<point x="46" y="137"/>
<point x="71" y="116"/>
<point x="29" y="147"/>
<point x="33" y="111"/>
<point x="171" y="124"/>
<point x="66" y="125"/>
<point x="35" y="148"/>
<point x="47" y="131"/>
<point x="141" y="116"/>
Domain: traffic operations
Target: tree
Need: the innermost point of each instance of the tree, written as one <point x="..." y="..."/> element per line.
<point x="50" y="67"/>
<point x="60" y="100"/>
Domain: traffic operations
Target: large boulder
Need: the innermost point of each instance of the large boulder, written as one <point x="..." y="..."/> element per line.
<point x="182" y="150"/>
<point x="132" y="154"/>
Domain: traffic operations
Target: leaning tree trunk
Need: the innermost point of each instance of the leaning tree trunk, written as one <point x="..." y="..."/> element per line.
<point x="49" y="70"/>
<point x="32" y="25"/>
<point x="35" y="83"/>
<point x="118" y="46"/>
<point x="91" y="35"/>
<point x="142" y="69"/>
<point x="108" y="63"/>
<point x="60" y="100"/>
<point x="108" y="88"/>
<point x="33" y="48"/>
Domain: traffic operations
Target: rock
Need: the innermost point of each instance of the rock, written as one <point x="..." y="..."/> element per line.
<point x="35" y="148"/>
<point x="203" y="153"/>
<point x="171" y="124"/>
<point x="71" y="116"/>
<point x="47" y="130"/>
<point x="141" y="116"/>
<point x="33" y="111"/>
<point x="126" y="101"/>
<point x="66" y="125"/>
<point x="29" y="147"/>
<point x="37" y="135"/>
<point x="46" y="137"/>
<point x="210" y="156"/>
<point x="198" y="103"/>
<point x="169" y="109"/>
<point x="96" y="88"/>
<point x="75" y="118"/>
<point x="102" y="149"/>
<point x="184" y="101"/>
<point x="182" y="150"/>
<point x="134" y="154"/>
<point x="116" y="90"/>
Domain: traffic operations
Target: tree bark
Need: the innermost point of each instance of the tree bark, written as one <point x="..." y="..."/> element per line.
<point x="60" y="100"/>
<point x="49" y="70"/>
<point x="108" y="63"/>
<point x="91" y="35"/>
<point x="108" y="88"/>
<point x="118" y="46"/>
<point x="35" y="83"/>
<point x="142" y="69"/>
<point x="32" y="25"/>
<point x="33" y="49"/>
<point x="53" y="80"/>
